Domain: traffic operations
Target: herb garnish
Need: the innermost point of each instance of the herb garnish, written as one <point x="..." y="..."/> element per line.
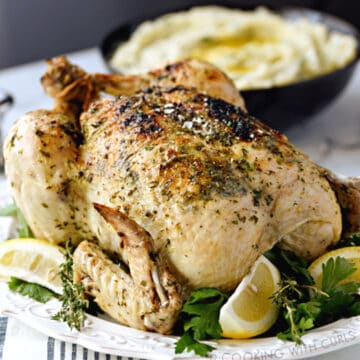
<point x="201" y="320"/>
<point x="305" y="306"/>
<point x="290" y="266"/>
<point x="31" y="290"/>
<point x="73" y="299"/>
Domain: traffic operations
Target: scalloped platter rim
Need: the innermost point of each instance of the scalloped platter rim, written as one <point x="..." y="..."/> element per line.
<point x="103" y="335"/>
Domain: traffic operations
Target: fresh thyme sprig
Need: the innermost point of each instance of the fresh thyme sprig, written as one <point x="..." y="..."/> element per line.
<point x="74" y="303"/>
<point x="291" y="299"/>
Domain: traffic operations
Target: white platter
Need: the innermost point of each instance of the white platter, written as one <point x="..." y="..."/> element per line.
<point x="105" y="336"/>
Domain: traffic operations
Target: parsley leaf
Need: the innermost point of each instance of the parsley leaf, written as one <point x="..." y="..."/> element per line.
<point x="335" y="271"/>
<point x="188" y="343"/>
<point x="32" y="290"/>
<point x="201" y="322"/>
<point x="355" y="309"/>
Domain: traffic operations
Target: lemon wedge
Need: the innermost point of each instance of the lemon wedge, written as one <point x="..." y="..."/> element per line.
<point x="32" y="260"/>
<point x="250" y="311"/>
<point x="351" y="253"/>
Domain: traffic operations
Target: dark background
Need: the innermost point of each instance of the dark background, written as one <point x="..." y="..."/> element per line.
<point x="36" y="29"/>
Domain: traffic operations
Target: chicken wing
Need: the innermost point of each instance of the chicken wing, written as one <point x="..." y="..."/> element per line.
<point x="141" y="293"/>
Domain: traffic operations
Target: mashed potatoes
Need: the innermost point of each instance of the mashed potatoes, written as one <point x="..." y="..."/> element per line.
<point x="257" y="49"/>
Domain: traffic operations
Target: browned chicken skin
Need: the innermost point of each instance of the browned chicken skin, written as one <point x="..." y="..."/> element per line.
<point x="192" y="188"/>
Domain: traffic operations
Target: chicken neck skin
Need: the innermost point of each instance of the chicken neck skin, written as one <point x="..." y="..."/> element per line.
<point x="213" y="186"/>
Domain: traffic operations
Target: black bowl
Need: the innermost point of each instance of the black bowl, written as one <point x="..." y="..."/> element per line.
<point x="282" y="106"/>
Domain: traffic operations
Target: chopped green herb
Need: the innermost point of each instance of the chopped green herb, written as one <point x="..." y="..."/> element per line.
<point x="254" y="219"/>
<point x="257" y="196"/>
<point x="268" y="199"/>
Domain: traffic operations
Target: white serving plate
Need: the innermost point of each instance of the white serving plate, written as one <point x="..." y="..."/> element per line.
<point x="103" y="335"/>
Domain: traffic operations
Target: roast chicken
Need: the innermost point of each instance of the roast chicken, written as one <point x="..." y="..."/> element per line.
<point x="165" y="184"/>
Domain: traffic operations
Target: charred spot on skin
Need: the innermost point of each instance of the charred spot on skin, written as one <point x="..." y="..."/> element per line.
<point x="233" y="117"/>
<point x="69" y="129"/>
<point x="144" y="123"/>
<point x="124" y="106"/>
<point x="243" y="126"/>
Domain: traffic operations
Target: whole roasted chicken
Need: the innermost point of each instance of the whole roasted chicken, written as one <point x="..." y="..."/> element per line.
<point x="166" y="184"/>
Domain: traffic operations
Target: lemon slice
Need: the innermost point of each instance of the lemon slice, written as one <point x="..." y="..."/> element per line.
<point x="32" y="260"/>
<point x="351" y="253"/>
<point x="250" y="311"/>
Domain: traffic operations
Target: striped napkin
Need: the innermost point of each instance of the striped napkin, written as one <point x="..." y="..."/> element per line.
<point x="3" y="324"/>
<point x="18" y="341"/>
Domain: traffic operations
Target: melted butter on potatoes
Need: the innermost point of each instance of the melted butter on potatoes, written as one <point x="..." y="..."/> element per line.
<point x="257" y="49"/>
